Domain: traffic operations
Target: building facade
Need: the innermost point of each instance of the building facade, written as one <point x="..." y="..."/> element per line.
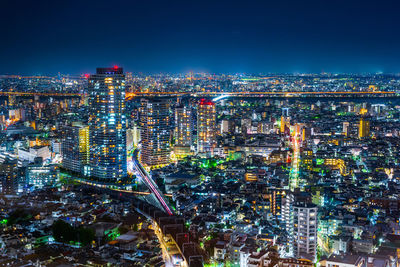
<point x="75" y="147"/>
<point x="38" y="176"/>
<point x="183" y="126"/>
<point x="9" y="177"/>
<point x="305" y="230"/>
<point x="107" y="124"/>
<point x="363" y="128"/>
<point x="206" y="123"/>
<point x="183" y="131"/>
<point x="155" y="132"/>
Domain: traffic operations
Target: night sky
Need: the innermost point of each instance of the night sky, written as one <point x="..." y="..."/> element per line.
<point x="46" y="37"/>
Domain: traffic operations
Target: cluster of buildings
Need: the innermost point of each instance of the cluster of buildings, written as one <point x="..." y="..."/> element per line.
<point x="257" y="181"/>
<point x="120" y="235"/>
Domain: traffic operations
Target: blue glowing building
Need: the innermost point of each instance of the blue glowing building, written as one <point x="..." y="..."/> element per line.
<point x="107" y="124"/>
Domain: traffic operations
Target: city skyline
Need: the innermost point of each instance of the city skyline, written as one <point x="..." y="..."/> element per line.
<point x="234" y="37"/>
<point x="249" y="171"/>
<point x="200" y="133"/>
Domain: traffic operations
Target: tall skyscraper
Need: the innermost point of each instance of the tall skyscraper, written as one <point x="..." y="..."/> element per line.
<point x="363" y="128"/>
<point x="107" y="124"/>
<point x="183" y="131"/>
<point x="305" y="230"/>
<point x="206" y="120"/>
<point x="75" y="147"/>
<point x="155" y="132"/>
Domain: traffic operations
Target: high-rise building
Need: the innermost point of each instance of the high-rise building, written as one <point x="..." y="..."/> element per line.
<point x="276" y="199"/>
<point x="363" y="128"/>
<point x="287" y="216"/>
<point x="206" y="120"/>
<point x="75" y="147"/>
<point x="225" y="126"/>
<point x="183" y="131"/>
<point x="285" y="124"/>
<point x="9" y="177"/>
<point x="183" y="126"/>
<point x="155" y="132"/>
<point x="346" y="128"/>
<point x="305" y="230"/>
<point x="290" y="200"/>
<point x="107" y="124"/>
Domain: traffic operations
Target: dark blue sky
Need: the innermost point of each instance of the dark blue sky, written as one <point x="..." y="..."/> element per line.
<point x="215" y="36"/>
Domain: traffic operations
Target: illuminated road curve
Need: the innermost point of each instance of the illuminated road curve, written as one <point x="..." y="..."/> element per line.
<point x="130" y="95"/>
<point x="112" y="187"/>
<point x="142" y="173"/>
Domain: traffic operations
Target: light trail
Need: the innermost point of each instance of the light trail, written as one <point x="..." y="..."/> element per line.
<point x="135" y="166"/>
<point x="150" y="183"/>
<point x="252" y="94"/>
<point x="295" y="171"/>
<point x="92" y="183"/>
<point x="219" y="98"/>
<point x="131" y="95"/>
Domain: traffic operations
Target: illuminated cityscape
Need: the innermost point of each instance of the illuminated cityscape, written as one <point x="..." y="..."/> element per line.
<point x="180" y="134"/>
<point x="212" y="177"/>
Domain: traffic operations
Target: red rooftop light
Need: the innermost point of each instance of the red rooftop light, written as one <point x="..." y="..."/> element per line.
<point x="115" y="67"/>
<point x="204" y="101"/>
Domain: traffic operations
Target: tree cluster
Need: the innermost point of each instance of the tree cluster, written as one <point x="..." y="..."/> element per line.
<point x="65" y="233"/>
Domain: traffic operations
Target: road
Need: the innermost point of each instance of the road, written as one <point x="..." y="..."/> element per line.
<point x="130" y="95"/>
<point x="138" y="169"/>
<point x="168" y="248"/>
<point x="295" y="169"/>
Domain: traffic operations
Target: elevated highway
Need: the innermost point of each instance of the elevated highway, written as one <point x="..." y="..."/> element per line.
<point x="135" y="167"/>
<point x="267" y="94"/>
<point x="131" y="95"/>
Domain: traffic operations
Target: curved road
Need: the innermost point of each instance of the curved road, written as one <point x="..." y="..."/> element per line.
<point x="137" y="168"/>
